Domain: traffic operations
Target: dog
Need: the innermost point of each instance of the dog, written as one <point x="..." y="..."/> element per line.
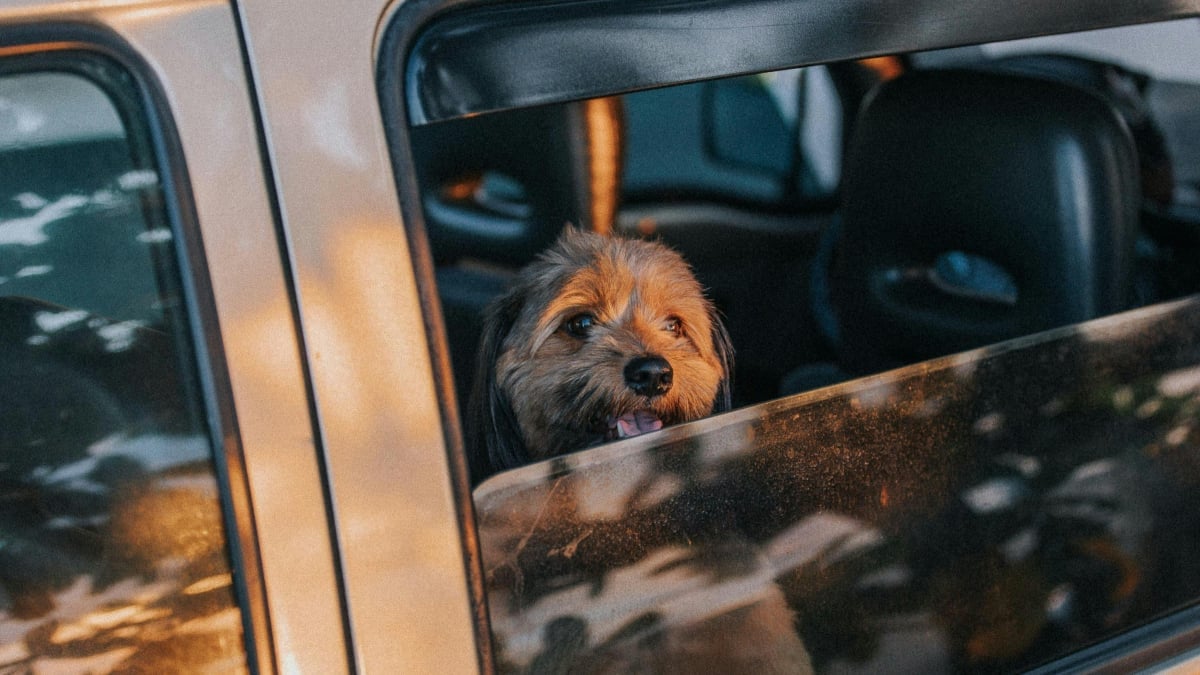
<point x="600" y="338"/>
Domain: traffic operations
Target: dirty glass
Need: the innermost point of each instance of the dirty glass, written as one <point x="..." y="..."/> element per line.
<point x="981" y="512"/>
<point x="113" y="551"/>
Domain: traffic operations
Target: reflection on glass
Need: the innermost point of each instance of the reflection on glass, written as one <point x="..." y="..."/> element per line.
<point x="112" y="546"/>
<point x="983" y="512"/>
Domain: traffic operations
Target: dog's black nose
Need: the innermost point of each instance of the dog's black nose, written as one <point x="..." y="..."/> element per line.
<point x="649" y="375"/>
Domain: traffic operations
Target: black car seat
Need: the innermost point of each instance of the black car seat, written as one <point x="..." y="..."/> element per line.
<point x="977" y="207"/>
<point x="1124" y="89"/>
<point x="499" y="188"/>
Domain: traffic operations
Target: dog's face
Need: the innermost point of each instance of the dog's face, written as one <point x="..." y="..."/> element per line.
<point x="601" y="338"/>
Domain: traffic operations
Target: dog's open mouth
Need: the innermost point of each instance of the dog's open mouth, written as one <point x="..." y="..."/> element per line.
<point x="633" y="423"/>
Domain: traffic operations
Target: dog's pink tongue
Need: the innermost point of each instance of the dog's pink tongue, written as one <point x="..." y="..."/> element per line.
<point x="636" y="423"/>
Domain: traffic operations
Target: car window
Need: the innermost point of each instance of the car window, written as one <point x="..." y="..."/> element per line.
<point x="963" y="398"/>
<point x="987" y="511"/>
<point x="113" y="546"/>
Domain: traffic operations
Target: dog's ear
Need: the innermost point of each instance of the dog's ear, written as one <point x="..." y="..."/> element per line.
<point x="723" y="347"/>
<point x="493" y="439"/>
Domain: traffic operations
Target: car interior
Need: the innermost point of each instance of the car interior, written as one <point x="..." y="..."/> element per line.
<point x="976" y="199"/>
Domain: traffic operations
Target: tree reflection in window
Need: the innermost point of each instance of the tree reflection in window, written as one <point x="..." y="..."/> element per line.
<point x="112" y="546"/>
<point x="983" y="512"/>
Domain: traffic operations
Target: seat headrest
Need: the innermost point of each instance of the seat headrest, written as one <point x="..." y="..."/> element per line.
<point x="980" y="207"/>
<point x="500" y="187"/>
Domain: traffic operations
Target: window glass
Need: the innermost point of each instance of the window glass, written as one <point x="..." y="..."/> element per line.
<point x="113" y="552"/>
<point x="983" y="512"/>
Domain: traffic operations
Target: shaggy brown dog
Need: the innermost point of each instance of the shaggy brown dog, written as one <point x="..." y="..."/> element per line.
<point x="600" y="338"/>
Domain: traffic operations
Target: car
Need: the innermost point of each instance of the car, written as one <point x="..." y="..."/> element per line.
<point x="246" y="248"/>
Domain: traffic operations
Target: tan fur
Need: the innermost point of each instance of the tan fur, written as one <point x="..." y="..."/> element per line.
<point x="560" y="388"/>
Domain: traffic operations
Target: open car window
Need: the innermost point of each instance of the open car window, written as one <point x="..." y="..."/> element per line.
<point x="960" y="286"/>
<point x="990" y="510"/>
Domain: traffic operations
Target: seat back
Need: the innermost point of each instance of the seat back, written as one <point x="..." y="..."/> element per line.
<point x="980" y="207"/>
<point x="497" y="189"/>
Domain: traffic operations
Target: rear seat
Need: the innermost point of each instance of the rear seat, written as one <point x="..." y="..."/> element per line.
<point x="978" y="207"/>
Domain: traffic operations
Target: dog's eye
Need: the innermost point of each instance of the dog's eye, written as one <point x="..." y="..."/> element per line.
<point x="674" y="325"/>
<point x="579" y="325"/>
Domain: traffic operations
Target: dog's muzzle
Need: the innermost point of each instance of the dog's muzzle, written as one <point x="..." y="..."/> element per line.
<point x="648" y="376"/>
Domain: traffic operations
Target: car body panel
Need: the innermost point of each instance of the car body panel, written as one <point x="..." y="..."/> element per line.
<point x="206" y="88"/>
<point x="365" y="339"/>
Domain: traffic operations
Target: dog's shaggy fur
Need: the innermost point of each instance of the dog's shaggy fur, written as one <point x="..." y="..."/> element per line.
<point x="599" y="338"/>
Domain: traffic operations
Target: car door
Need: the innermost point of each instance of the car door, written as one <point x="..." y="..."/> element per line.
<point x="163" y="503"/>
<point x="988" y="510"/>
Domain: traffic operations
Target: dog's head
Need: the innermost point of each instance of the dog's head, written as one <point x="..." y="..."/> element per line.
<point x="600" y="338"/>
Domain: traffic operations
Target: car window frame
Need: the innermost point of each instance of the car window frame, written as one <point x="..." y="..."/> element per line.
<point x="1171" y="640"/>
<point x="415" y="89"/>
<point x="114" y="66"/>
